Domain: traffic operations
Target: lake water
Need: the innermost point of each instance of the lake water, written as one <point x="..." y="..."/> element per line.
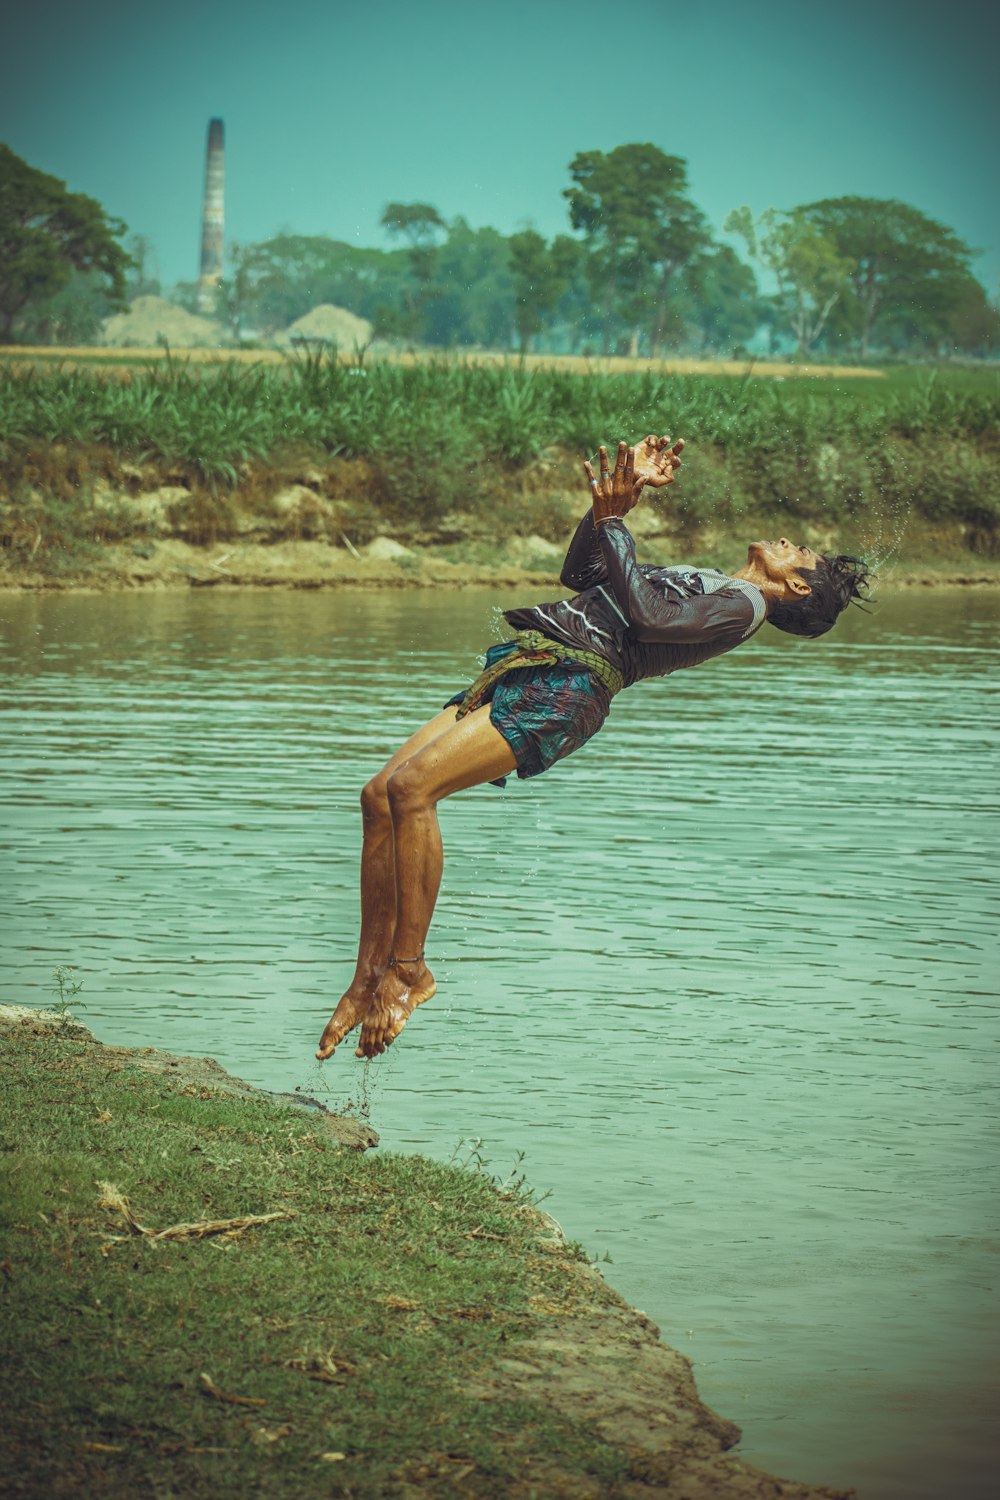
<point x="727" y="977"/>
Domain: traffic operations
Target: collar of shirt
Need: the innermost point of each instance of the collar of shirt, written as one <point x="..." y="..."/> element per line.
<point x="688" y="581"/>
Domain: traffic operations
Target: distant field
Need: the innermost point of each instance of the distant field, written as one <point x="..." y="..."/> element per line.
<point x="565" y="363"/>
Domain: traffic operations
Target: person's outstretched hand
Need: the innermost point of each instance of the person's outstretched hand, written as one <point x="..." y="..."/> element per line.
<point x="657" y="459"/>
<point x="614" y="493"/>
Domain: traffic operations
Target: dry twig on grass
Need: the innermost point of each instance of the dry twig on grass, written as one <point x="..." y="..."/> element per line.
<point x="326" y="1367"/>
<point x="115" y="1201"/>
<point x="211" y="1389"/>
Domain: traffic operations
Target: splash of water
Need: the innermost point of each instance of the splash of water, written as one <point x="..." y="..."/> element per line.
<point x="359" y="1096"/>
<point x="887" y="516"/>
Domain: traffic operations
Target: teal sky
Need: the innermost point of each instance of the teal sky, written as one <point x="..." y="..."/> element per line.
<point x="332" y="110"/>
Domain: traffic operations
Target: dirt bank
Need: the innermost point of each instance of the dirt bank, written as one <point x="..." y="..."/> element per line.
<point x="176" y="564"/>
<point x="173" y="563"/>
<point x="574" y="1395"/>
<point x="142" y="533"/>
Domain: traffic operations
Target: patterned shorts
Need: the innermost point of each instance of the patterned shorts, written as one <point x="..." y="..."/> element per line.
<point x="544" y="713"/>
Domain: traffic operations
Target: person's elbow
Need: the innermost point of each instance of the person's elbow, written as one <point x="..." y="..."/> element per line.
<point x="572" y="578"/>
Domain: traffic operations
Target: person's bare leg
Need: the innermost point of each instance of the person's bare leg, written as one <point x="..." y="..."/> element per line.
<point x="471" y="752"/>
<point x="378" y="890"/>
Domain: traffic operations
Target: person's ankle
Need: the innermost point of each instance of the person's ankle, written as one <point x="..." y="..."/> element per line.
<point x="408" y="966"/>
<point x="365" y="977"/>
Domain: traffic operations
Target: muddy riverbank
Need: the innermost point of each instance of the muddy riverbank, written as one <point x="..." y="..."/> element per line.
<point x="147" y="550"/>
<point x="281" y="1357"/>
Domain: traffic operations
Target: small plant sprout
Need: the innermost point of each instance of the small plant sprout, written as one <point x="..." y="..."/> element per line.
<point x="67" y="988"/>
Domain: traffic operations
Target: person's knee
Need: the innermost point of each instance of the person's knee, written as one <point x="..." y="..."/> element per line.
<point x="375" y="800"/>
<point x="407" y="791"/>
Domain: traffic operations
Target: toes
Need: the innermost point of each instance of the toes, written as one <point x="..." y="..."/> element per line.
<point x="376" y="1038"/>
<point x="330" y="1041"/>
<point x="389" y="1035"/>
<point x="368" y="1046"/>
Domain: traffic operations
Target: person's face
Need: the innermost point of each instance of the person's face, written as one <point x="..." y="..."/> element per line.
<point x="782" y="562"/>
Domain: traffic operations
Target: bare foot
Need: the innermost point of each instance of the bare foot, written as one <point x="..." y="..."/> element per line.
<point x="350" y="1010"/>
<point x="403" y="988"/>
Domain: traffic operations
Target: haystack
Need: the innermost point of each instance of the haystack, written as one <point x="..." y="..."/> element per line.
<point x="152" y="319"/>
<point x="335" y="325"/>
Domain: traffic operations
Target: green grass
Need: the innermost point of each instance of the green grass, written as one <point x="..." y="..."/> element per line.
<point x="356" y="1324"/>
<point x="444" y="437"/>
<point x="219" y="416"/>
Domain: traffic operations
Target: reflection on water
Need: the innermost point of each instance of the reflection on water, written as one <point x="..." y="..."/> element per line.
<point x="727" y="976"/>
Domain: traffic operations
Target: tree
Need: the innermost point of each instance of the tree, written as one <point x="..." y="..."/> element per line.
<point x="270" y="283"/>
<point x="73" y="315"/>
<point x="277" y="280"/>
<point x="973" y="321"/>
<point x="236" y="293"/>
<point x="273" y="282"/>
<point x="641" y="228"/>
<point x="47" y="233"/>
<point x="953" y="315"/>
<point x="810" y="272"/>
<point x="542" y="274"/>
<point x="723" y="298"/>
<point x="143" y="280"/>
<point x="419" y="224"/>
<point x="899" y="257"/>
<point x="470" y="299"/>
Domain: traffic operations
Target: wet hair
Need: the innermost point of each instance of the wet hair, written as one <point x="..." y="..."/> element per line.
<point x="834" y="583"/>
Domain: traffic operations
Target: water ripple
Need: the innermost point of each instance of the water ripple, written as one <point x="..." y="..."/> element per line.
<point x="728" y="976"/>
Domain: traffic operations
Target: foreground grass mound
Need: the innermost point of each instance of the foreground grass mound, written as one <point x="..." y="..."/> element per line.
<point x="207" y="1296"/>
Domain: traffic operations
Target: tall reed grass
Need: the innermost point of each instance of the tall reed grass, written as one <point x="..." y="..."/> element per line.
<point x="442" y="431"/>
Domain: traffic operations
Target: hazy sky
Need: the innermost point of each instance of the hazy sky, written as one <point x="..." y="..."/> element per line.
<point x="334" y="109"/>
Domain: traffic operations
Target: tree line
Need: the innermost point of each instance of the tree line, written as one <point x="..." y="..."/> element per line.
<point x="638" y="272"/>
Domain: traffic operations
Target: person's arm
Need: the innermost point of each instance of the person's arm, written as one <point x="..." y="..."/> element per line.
<point x="653" y="462"/>
<point x="651" y="616"/>
<point x="584" y="567"/>
<point x="655" y="618"/>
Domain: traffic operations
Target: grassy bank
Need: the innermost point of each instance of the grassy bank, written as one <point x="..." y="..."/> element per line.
<point x="447" y="453"/>
<point x="383" y="1326"/>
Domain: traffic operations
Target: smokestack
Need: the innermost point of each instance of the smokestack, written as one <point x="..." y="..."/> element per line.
<point x="212" y="217"/>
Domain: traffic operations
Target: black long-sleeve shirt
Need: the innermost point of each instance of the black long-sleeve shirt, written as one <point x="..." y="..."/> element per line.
<point x="646" y="621"/>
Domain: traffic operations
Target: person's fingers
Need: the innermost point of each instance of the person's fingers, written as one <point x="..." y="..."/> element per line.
<point x="604" y="460"/>
<point x="620" y="460"/>
<point x="597" y="486"/>
<point x="678" y="446"/>
<point x="637" y="489"/>
<point x="629" y="467"/>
